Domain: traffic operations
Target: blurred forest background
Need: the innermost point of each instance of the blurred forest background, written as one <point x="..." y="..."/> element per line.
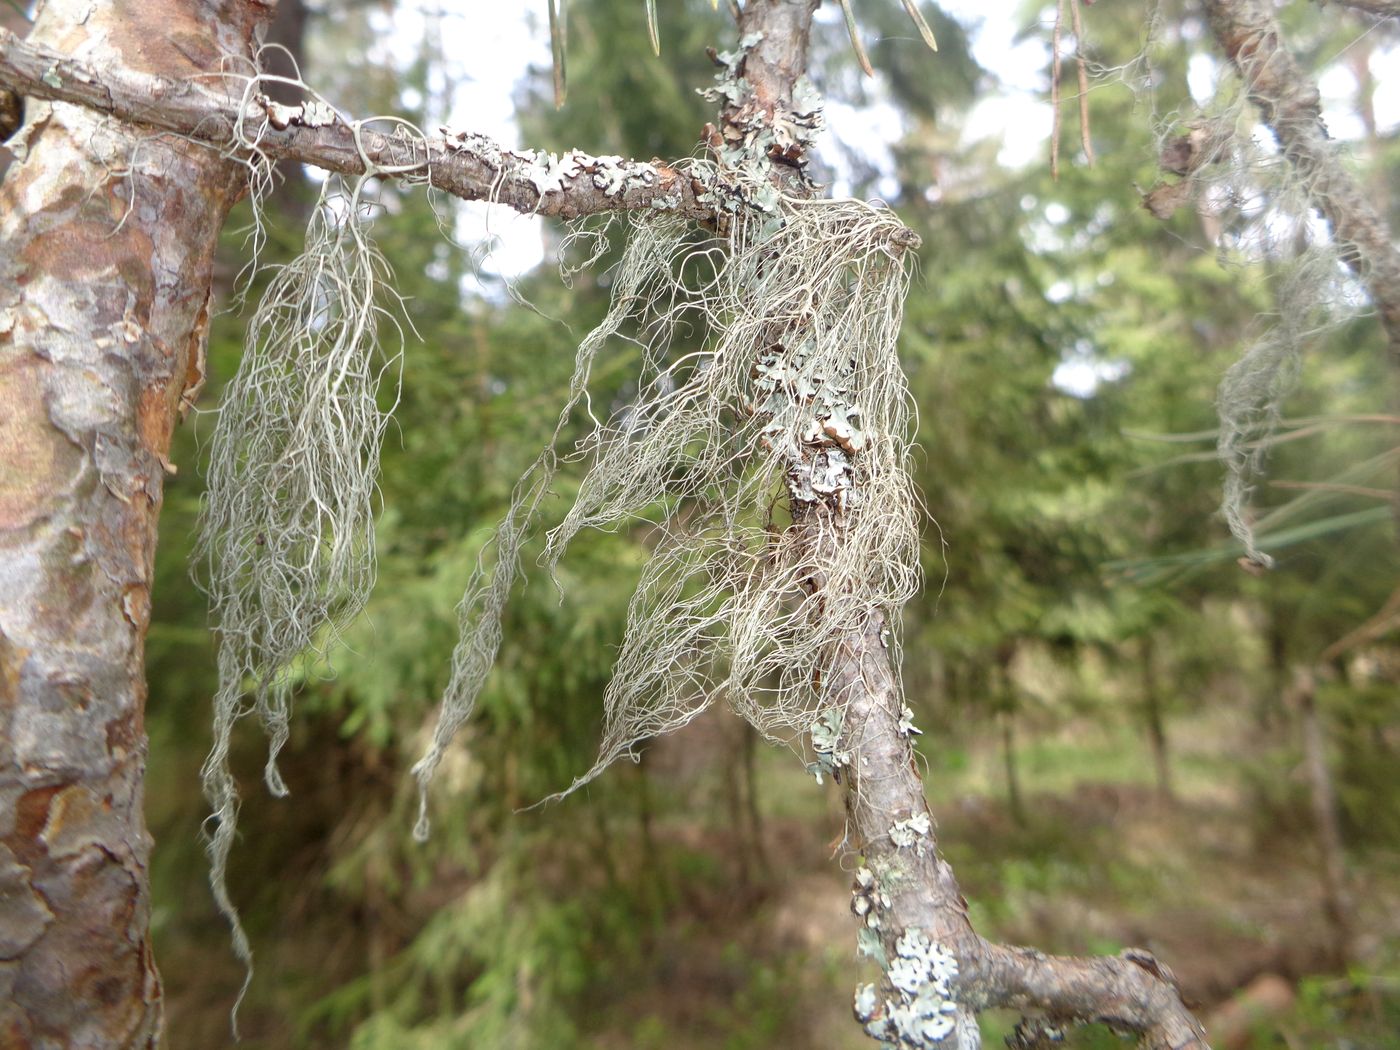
<point x="1129" y="740"/>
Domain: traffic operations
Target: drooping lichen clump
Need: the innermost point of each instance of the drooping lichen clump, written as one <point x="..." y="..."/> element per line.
<point x="287" y="529"/>
<point x="792" y="397"/>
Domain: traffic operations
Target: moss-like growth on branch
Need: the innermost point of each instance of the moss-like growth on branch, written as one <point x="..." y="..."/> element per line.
<point x="794" y="393"/>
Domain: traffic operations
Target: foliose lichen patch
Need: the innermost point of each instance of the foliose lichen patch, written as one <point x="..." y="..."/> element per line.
<point x="921" y="1012"/>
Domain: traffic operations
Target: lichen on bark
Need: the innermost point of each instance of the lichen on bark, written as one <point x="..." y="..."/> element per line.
<point x="106" y="252"/>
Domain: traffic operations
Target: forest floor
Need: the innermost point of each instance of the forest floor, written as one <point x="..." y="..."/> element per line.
<point x="756" y="951"/>
<point x="1229" y="899"/>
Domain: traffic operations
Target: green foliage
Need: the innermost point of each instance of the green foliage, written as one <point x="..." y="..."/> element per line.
<point x="1365" y="1006"/>
<point x="494" y="966"/>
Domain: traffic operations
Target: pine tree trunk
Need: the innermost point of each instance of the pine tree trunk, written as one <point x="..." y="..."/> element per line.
<point x="106" y="243"/>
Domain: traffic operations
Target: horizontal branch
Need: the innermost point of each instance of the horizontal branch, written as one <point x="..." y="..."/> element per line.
<point x="466" y="165"/>
<point x="1379" y="8"/>
<point x="1131" y="993"/>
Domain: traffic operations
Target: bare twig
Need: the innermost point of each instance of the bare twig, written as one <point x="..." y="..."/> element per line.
<point x="1385" y="620"/>
<point x="1389" y="495"/>
<point x="1082" y="69"/>
<point x="854" y="30"/>
<point x="1380" y="8"/>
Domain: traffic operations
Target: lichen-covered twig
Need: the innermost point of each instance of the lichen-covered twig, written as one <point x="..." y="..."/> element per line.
<point x="463" y="164"/>
<point x="1249" y="33"/>
<point x="904" y="884"/>
<point x="938" y="973"/>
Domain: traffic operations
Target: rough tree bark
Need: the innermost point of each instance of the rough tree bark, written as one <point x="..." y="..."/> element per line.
<point x="95" y="370"/>
<point x="11" y="105"/>
<point x="107" y="237"/>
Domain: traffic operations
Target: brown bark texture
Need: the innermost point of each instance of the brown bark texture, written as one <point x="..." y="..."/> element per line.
<point x="903" y="881"/>
<point x="1250" y="36"/>
<point x="107" y="237"/>
<point x="464" y="164"/>
<point x="11" y="105"/>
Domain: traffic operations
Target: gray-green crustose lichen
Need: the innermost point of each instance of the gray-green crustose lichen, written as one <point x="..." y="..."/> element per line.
<point x="550" y="173"/>
<point x="830" y="435"/>
<point x="869" y="901"/>
<point x="753" y="139"/>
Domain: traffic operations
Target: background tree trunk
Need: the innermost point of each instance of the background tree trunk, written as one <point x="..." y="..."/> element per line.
<point x="1322" y="793"/>
<point x="107" y="238"/>
<point x="1156" y="722"/>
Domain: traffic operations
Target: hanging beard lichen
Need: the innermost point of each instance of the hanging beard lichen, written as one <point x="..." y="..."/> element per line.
<point x="1269" y="215"/>
<point x="792" y="409"/>
<point x="794" y="398"/>
<point x="287" y="527"/>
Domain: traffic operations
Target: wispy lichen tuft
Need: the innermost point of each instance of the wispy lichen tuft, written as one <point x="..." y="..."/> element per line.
<point x="799" y="308"/>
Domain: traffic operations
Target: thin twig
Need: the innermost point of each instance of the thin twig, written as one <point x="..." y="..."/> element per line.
<point x="1055" y="91"/>
<point x="1084" y="132"/>
<point x="468" y="166"/>
<point x="1389" y="495"/>
<point x="1386" y="619"/>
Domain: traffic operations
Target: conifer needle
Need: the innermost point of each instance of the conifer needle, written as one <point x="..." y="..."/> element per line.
<point x="912" y="6"/>
<point x="851" y="28"/>
<point x="557" y="41"/>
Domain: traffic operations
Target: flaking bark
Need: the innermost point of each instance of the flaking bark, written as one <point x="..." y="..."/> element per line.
<point x="106" y="247"/>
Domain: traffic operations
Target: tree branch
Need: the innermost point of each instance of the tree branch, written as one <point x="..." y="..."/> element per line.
<point x="1250" y="35"/>
<point x="939" y="973"/>
<point x="466" y="165"/>
<point x="1131" y="992"/>
<point x="916" y="895"/>
<point x="1379" y="8"/>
